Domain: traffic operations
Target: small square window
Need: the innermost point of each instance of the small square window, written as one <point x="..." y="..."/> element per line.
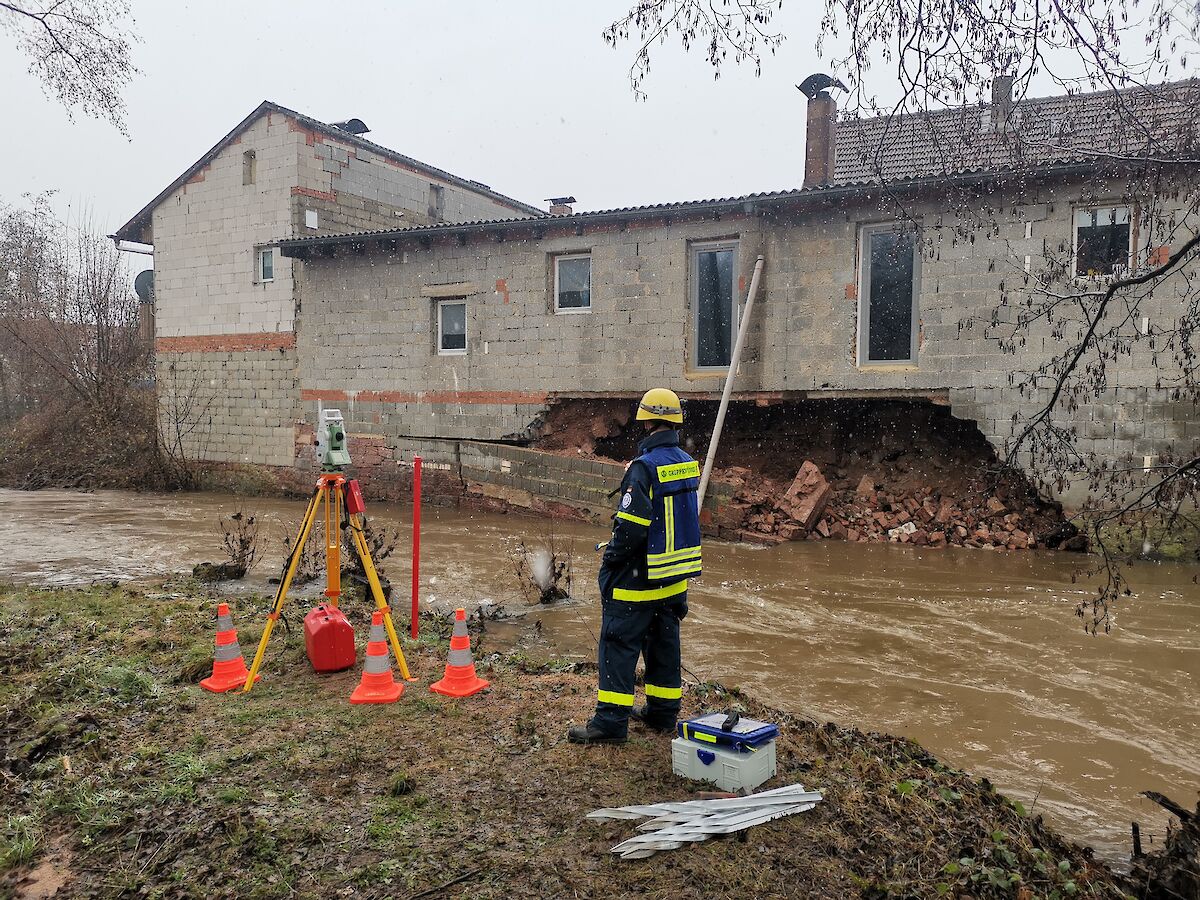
<point x="1102" y="237"/>
<point x="452" y="327"/>
<point x="266" y="265"/>
<point x="310" y="219"/>
<point x="573" y="283"/>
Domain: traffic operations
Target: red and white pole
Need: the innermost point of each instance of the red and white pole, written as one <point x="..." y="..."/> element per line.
<point x="416" y="543"/>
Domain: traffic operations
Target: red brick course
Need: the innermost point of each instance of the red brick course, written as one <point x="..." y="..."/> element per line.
<point x="426" y="396"/>
<point x="227" y="343"/>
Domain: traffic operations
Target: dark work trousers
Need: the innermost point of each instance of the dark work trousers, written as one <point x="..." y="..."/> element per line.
<point x="629" y="628"/>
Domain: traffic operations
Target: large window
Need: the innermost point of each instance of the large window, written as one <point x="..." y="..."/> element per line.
<point x="1101" y="240"/>
<point x="452" y="327"/>
<point x="887" y="295"/>
<point x="714" y="271"/>
<point x="573" y="283"/>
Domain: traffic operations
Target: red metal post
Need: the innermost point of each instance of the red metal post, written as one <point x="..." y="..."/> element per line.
<point x="416" y="542"/>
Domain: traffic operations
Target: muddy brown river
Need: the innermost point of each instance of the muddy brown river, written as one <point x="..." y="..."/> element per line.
<point x="977" y="655"/>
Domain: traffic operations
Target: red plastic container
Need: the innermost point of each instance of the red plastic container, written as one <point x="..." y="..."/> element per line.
<point x="329" y="639"/>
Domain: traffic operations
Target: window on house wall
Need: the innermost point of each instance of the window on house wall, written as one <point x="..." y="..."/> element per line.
<point x="1102" y="240"/>
<point x="437" y="202"/>
<point x="573" y="283"/>
<point x="452" y="327"/>
<point x="249" y="167"/>
<point x="265" y="268"/>
<point x="887" y="295"/>
<point x="714" y="271"/>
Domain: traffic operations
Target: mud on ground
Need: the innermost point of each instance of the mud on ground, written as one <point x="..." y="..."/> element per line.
<point x="120" y="777"/>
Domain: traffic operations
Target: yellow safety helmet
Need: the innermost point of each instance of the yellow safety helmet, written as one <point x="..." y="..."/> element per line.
<point x="660" y="403"/>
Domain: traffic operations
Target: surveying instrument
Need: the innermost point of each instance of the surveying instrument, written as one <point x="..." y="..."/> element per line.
<point x="334" y="495"/>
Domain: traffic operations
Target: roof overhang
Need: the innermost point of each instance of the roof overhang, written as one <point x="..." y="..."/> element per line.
<point x="800" y="200"/>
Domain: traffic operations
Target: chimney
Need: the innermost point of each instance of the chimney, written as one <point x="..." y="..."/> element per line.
<point x="560" y="206"/>
<point x="1002" y="102"/>
<point x="819" y="138"/>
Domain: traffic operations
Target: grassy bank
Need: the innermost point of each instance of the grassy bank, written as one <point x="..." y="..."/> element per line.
<point x="120" y="777"/>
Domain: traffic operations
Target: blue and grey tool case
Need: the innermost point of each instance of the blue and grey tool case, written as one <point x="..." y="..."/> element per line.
<point x="745" y="736"/>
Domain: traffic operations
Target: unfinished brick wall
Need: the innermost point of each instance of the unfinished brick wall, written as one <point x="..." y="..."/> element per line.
<point x="234" y="406"/>
<point x="223" y="330"/>
<point x="379" y="306"/>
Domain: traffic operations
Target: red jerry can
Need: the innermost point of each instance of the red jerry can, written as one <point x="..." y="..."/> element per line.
<point x="329" y="639"/>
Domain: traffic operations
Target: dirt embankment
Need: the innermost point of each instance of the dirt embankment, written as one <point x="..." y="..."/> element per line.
<point x="851" y="470"/>
<point x="120" y="777"/>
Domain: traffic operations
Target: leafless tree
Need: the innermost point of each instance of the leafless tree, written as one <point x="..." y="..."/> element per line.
<point x="740" y="28"/>
<point x="80" y="50"/>
<point x="923" y="67"/>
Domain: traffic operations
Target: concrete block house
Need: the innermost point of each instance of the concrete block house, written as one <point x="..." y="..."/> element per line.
<point x="298" y="266"/>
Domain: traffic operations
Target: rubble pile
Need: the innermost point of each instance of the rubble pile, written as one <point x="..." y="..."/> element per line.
<point x="811" y="508"/>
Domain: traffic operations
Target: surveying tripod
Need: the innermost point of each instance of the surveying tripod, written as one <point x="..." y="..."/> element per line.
<point x="331" y="494"/>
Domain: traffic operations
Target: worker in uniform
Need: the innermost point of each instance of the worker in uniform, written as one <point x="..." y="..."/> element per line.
<point x="654" y="549"/>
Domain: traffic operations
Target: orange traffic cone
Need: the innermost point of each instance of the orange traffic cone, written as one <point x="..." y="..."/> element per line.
<point x="460" y="679"/>
<point x="377" y="685"/>
<point x="229" y="668"/>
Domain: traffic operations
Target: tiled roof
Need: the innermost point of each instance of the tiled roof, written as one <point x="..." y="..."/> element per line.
<point x="1052" y="135"/>
<point x="1162" y="120"/>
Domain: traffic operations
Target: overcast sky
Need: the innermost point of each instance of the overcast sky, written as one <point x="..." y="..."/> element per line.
<point x="522" y="95"/>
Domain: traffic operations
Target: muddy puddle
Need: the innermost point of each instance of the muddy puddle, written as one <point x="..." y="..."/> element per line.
<point x="977" y="655"/>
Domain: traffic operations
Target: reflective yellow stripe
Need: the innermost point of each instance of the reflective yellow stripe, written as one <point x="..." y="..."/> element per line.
<point x="659" y="559"/>
<point x="685" y="568"/>
<point x="636" y="520"/>
<point x="669" y="516"/>
<point x="697" y="736"/>
<point x="653" y="690"/>
<point x="678" y="471"/>
<point x="652" y="594"/>
<point x="614" y="698"/>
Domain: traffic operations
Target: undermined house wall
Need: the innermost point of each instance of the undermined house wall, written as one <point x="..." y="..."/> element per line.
<point x="367" y="335"/>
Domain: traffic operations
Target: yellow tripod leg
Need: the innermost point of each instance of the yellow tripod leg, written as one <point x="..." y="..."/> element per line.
<point x="364" y="554"/>
<point x="276" y="607"/>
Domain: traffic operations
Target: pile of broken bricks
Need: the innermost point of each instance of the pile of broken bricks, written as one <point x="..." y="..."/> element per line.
<point x="810" y="509"/>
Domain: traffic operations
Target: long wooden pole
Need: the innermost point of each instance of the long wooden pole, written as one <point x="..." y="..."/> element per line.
<point x="743" y="324"/>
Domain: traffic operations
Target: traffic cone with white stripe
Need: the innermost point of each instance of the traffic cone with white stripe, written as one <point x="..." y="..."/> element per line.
<point x="229" y="667"/>
<point x="377" y="684"/>
<point x="460" y="679"/>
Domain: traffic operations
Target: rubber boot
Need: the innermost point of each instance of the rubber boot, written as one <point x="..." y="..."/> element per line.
<point x="590" y="734"/>
<point x="641" y="714"/>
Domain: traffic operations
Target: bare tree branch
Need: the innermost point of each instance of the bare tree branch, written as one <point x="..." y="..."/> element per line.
<point x="80" y="50"/>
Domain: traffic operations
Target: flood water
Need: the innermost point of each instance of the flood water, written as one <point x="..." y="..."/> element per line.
<point x="977" y="655"/>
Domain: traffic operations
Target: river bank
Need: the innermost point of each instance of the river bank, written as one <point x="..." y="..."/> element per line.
<point x="123" y="777"/>
<point x="977" y="656"/>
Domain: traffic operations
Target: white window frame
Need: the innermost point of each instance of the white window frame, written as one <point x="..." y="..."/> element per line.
<point x="442" y="351"/>
<point x="260" y="277"/>
<point x="569" y="310"/>
<point x="735" y="316"/>
<point x="1091" y="207"/>
<point x="862" y="343"/>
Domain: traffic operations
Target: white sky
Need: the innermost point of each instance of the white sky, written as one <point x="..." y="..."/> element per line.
<point x="522" y="95"/>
